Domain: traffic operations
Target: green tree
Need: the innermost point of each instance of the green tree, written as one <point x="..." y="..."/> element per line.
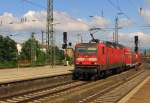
<point x="59" y="55"/>
<point x="69" y="59"/>
<point x="31" y="51"/>
<point x="8" y="49"/>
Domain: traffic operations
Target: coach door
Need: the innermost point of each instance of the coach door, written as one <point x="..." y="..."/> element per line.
<point x="103" y="55"/>
<point x="107" y="56"/>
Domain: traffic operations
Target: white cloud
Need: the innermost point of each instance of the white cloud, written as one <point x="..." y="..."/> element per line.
<point x="69" y="24"/>
<point x="7" y="18"/>
<point x="145" y="12"/>
<point x="128" y="39"/>
<point x="124" y="22"/>
<point x="148" y="1"/>
<point x="33" y="15"/>
<point x="36" y="21"/>
<point x="146" y="15"/>
<point x="13" y="24"/>
<point x="99" y="21"/>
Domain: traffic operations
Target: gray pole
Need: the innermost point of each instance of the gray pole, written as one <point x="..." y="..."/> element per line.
<point x="113" y="37"/>
<point x="42" y="38"/>
<point x="78" y="37"/>
<point x="33" y="52"/>
<point x="50" y="31"/>
<point x="116" y="30"/>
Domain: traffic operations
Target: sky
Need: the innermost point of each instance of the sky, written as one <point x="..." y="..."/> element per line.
<point x="77" y="17"/>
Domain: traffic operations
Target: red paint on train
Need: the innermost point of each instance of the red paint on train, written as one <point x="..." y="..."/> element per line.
<point x="96" y="59"/>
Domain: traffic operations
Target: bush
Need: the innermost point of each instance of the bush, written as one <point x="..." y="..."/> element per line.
<point x="10" y="64"/>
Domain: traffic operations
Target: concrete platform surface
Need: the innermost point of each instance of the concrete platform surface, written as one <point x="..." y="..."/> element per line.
<point x="141" y="94"/>
<point x="17" y="74"/>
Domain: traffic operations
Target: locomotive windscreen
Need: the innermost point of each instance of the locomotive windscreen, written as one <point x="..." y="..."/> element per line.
<point x="86" y="50"/>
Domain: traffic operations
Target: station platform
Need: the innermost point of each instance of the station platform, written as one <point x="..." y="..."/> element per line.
<point x="140" y="94"/>
<point x="18" y="74"/>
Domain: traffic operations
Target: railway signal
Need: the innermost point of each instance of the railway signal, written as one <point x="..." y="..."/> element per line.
<point x="65" y="37"/>
<point x="64" y="45"/>
<point x="136" y="41"/>
<point x="70" y="44"/>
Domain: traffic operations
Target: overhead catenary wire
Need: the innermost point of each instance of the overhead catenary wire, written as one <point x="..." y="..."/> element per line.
<point x="34" y="4"/>
<point x="117" y="7"/>
<point x="113" y="5"/>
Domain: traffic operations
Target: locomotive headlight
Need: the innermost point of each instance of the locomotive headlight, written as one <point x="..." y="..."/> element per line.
<point x="92" y="59"/>
<point x="80" y="59"/>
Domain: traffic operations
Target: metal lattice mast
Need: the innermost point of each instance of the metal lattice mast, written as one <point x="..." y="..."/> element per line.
<point x="50" y="35"/>
<point x="33" y="49"/>
<point x="116" y="30"/>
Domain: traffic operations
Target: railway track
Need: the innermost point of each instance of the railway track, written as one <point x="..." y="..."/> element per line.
<point x="116" y="91"/>
<point x="43" y="94"/>
<point x="12" y="89"/>
<point x="68" y="91"/>
<point x="110" y="89"/>
<point x="27" y="97"/>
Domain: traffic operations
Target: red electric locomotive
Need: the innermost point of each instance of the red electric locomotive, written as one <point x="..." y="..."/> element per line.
<point x="98" y="59"/>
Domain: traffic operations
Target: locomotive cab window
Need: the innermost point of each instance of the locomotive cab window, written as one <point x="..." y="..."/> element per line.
<point x="86" y="50"/>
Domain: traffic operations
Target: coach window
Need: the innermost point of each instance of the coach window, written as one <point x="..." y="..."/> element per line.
<point x="103" y="50"/>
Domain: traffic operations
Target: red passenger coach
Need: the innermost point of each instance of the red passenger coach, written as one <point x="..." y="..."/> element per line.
<point x="131" y="58"/>
<point x="128" y="57"/>
<point x="139" y="58"/>
<point x="98" y="59"/>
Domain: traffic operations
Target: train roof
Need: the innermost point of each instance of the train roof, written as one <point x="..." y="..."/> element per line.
<point x="107" y="43"/>
<point x="110" y="44"/>
<point x="87" y="44"/>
